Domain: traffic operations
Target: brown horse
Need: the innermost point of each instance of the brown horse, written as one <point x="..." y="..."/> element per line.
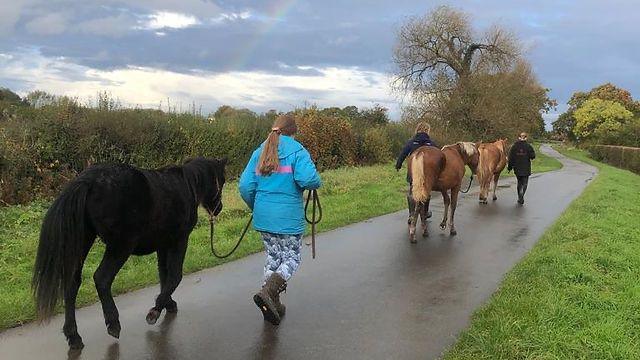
<point x="456" y="156"/>
<point x="493" y="159"/>
<point x="425" y="165"/>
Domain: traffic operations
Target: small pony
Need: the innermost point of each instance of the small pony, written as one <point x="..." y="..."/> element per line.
<point x="133" y="211"/>
<point x="493" y="159"/>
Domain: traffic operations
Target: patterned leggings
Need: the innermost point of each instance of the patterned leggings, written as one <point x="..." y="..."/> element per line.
<point x="283" y="254"/>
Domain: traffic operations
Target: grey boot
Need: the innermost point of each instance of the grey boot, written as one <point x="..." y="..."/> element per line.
<point x="265" y="299"/>
<point x="279" y="305"/>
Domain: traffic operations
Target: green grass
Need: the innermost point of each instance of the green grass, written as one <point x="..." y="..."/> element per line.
<point x="348" y="195"/>
<point x="576" y="295"/>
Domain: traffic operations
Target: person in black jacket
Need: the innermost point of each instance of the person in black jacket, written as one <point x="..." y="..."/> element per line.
<point x="520" y="157"/>
<point x="421" y="138"/>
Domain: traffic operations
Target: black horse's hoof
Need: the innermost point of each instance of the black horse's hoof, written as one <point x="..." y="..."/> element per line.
<point x="114" y="330"/>
<point x="495" y="198"/>
<point x="172" y="307"/>
<point x="75" y="342"/>
<point x="453" y="232"/>
<point x="443" y="226"/>
<point x="152" y="316"/>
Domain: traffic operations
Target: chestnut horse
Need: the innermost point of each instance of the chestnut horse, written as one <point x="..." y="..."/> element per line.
<point x="456" y="156"/>
<point x="425" y="165"/>
<point x="493" y="159"/>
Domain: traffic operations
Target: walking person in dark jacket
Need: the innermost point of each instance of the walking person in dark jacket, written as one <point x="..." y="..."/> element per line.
<point x="421" y="138"/>
<point x="520" y="157"/>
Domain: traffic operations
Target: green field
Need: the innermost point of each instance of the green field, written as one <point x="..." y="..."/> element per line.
<point x="348" y="195"/>
<point x="576" y="295"/>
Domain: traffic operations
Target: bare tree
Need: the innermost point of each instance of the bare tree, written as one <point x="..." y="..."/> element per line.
<point x="463" y="81"/>
<point x="434" y="52"/>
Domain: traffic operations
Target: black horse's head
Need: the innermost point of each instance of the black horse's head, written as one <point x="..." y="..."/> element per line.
<point x="207" y="179"/>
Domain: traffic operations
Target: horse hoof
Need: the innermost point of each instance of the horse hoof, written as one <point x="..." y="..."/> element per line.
<point x="412" y="239"/>
<point x="495" y="198"/>
<point x="114" y="330"/>
<point x="172" y="307"/>
<point x="453" y="233"/>
<point x="443" y="226"/>
<point x="75" y="342"/>
<point x="425" y="234"/>
<point x="152" y="316"/>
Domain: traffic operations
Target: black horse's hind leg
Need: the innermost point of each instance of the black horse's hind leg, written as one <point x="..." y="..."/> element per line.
<point x="70" y="328"/>
<point x="172" y="262"/>
<point x="113" y="260"/>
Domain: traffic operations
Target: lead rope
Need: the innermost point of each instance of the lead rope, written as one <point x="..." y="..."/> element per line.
<point x="313" y="197"/>
<point x="244" y="232"/>
<point x="468" y="187"/>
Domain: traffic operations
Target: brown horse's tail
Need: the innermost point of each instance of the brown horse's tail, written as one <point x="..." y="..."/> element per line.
<point x="419" y="186"/>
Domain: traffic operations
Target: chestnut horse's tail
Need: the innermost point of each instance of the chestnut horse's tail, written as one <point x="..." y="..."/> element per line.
<point x="419" y="186"/>
<point x="483" y="164"/>
<point x="60" y="252"/>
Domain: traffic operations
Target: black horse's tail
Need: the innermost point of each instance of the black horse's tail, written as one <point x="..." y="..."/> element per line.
<point x="62" y="240"/>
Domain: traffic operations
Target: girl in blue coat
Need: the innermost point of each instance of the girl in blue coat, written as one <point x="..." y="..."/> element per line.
<point x="272" y="185"/>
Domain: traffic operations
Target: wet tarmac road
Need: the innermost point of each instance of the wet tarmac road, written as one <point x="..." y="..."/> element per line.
<point x="370" y="294"/>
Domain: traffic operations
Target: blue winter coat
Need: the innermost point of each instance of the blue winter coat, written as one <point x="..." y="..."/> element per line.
<point x="277" y="199"/>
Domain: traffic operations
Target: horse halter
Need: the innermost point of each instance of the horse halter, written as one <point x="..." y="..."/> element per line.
<point x="218" y="201"/>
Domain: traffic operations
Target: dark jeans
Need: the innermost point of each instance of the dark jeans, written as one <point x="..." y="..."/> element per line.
<point x="523" y="181"/>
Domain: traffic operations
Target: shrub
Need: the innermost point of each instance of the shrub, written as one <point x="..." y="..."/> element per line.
<point x="376" y="146"/>
<point x="328" y="138"/>
<point x="43" y="147"/>
<point x="621" y="156"/>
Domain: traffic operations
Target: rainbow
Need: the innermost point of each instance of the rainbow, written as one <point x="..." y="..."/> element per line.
<point x="276" y="12"/>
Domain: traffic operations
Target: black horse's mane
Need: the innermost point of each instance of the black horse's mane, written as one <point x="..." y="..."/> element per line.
<point x="203" y="175"/>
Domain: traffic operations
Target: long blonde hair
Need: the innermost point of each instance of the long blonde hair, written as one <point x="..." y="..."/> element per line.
<point x="268" y="163"/>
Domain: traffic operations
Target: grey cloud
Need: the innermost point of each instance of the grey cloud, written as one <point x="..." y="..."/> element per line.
<point x="50" y="24"/>
<point x="116" y="26"/>
<point x="573" y="45"/>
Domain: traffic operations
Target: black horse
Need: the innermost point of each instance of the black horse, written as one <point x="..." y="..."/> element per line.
<point x="133" y="211"/>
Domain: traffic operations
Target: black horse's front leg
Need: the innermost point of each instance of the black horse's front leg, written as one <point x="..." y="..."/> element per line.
<point x="170" y="262"/>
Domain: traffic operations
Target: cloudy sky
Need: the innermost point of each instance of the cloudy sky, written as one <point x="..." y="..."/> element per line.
<point x="280" y="54"/>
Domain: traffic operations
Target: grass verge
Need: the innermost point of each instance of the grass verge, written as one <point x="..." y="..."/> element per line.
<point x="348" y="195"/>
<point x="576" y="295"/>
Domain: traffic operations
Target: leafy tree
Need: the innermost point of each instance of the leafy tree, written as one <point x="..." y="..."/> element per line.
<point x="227" y="112"/>
<point x="597" y="118"/>
<point x="9" y="96"/>
<point x="39" y="98"/>
<point x="564" y="125"/>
